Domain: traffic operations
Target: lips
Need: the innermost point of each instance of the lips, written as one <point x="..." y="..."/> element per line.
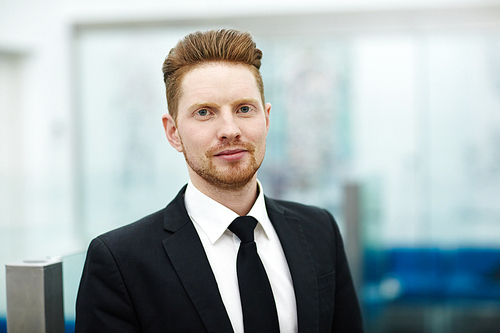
<point x="231" y="155"/>
<point x="230" y="152"/>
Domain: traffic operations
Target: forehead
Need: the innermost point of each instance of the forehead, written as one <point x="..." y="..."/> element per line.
<point x="218" y="81"/>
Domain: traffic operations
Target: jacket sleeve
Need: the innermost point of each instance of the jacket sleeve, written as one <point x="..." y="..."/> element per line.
<point x="347" y="315"/>
<point x="103" y="302"/>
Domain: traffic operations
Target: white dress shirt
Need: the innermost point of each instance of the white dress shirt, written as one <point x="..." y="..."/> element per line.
<point x="211" y="220"/>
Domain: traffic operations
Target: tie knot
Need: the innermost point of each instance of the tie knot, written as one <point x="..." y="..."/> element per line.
<point x="243" y="227"/>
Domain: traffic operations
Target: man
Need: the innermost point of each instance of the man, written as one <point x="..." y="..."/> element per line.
<point x="189" y="267"/>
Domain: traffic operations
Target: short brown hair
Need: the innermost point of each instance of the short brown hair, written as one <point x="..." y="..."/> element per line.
<point x="208" y="46"/>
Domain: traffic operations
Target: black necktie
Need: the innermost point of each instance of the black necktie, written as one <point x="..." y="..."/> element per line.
<point x="257" y="301"/>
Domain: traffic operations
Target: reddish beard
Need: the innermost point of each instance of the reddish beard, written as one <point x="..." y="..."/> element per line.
<point x="235" y="176"/>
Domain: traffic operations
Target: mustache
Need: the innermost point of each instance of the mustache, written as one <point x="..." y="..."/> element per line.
<point x="250" y="147"/>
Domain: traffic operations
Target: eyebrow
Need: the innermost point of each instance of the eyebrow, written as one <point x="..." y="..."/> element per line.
<point x="246" y="101"/>
<point x="202" y="105"/>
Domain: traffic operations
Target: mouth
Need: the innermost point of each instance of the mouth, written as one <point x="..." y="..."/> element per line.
<point x="231" y="155"/>
<point x="230" y="152"/>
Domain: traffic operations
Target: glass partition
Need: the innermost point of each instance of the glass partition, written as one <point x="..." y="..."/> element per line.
<point x="72" y="272"/>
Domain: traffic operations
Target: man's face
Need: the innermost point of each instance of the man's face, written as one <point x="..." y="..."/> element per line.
<point x="221" y="125"/>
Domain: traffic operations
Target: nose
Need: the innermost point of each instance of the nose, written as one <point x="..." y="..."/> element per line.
<point x="228" y="128"/>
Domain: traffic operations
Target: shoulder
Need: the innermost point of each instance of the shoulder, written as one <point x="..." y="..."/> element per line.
<point x="132" y="236"/>
<point x="151" y="227"/>
<point x="314" y="221"/>
<point x="298" y="210"/>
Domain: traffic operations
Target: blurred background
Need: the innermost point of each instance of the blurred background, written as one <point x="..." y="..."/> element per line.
<point x="385" y="112"/>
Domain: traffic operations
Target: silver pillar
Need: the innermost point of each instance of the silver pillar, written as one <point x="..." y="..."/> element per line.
<point x="35" y="297"/>
<point x="353" y="237"/>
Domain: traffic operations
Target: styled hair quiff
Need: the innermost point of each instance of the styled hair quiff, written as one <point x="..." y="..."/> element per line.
<point x="224" y="45"/>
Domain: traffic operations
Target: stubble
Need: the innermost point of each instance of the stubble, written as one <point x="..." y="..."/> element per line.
<point x="233" y="176"/>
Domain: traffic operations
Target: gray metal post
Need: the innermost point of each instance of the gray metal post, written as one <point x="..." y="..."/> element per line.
<point x="35" y="297"/>
<point x="352" y="237"/>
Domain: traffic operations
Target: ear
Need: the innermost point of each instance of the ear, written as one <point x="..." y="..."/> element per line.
<point x="171" y="132"/>
<point x="267" y="111"/>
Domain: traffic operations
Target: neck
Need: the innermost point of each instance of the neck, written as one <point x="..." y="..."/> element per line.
<point x="239" y="200"/>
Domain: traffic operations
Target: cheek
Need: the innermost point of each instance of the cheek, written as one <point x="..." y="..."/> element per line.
<point x="259" y="130"/>
<point x="261" y="135"/>
<point x="260" y="144"/>
<point x="192" y="140"/>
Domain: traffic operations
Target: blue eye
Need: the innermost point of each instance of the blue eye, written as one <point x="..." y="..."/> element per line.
<point x="245" y="109"/>
<point x="202" y="112"/>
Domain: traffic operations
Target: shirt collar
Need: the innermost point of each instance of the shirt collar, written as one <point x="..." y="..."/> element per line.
<point x="215" y="223"/>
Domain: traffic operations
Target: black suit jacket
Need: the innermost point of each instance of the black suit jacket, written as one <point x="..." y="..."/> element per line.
<point x="153" y="275"/>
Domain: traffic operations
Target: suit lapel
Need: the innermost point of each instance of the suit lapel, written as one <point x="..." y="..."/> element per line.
<point x="300" y="263"/>
<point x="188" y="258"/>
